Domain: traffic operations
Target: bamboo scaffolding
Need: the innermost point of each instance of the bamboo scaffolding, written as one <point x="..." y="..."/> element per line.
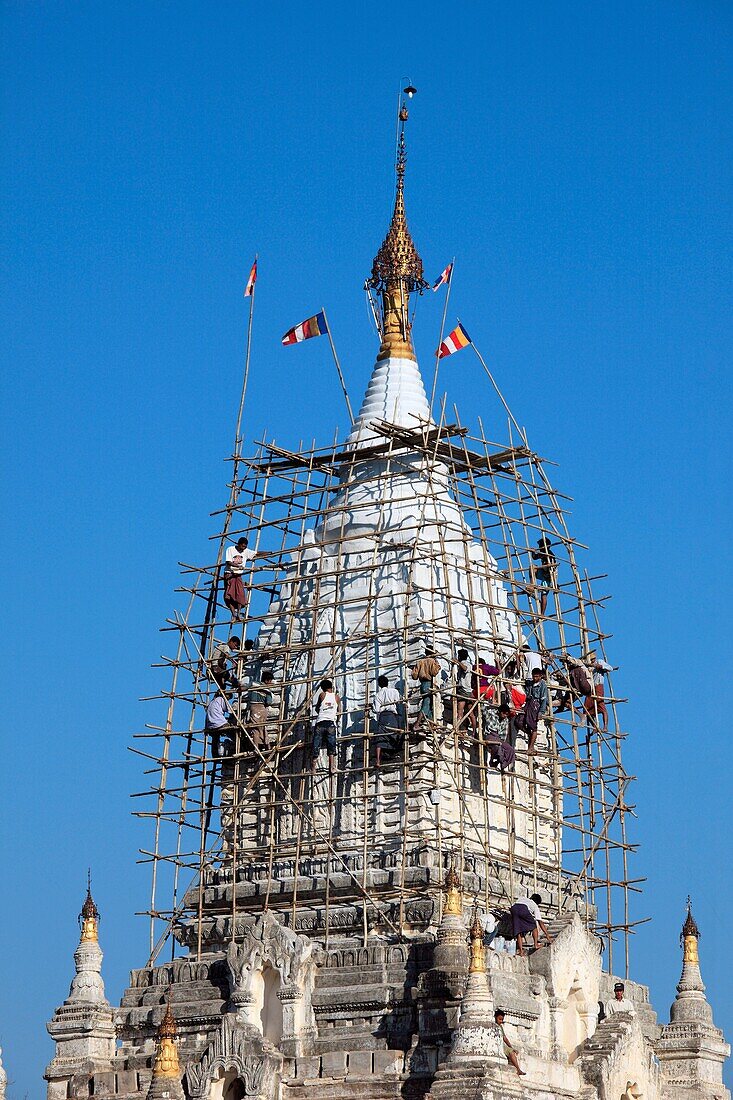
<point x="280" y="810"/>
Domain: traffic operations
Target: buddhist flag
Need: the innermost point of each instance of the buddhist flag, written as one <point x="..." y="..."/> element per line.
<point x="454" y="341"/>
<point x="250" y="287"/>
<point x="444" y="277"/>
<point x="314" y="326"/>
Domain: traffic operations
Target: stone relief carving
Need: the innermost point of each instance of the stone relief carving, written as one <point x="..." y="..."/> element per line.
<point x="574" y="958"/>
<point x="268" y="941"/>
<point x="295" y="958"/>
<point x="256" y="1063"/>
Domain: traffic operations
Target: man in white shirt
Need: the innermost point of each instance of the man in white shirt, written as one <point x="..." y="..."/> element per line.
<point x="223" y="661"/>
<point x="619" y="1002"/>
<point x="237" y="555"/>
<point x="527" y="917"/>
<point x="326" y="710"/>
<point x="530" y="661"/>
<point x="594" y="705"/>
<point x="236" y="558"/>
<point x="385" y="708"/>
<point x="218" y="715"/>
<point x="465" y="700"/>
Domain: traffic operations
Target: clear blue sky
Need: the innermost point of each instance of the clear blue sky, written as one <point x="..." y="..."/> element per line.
<point x="575" y="157"/>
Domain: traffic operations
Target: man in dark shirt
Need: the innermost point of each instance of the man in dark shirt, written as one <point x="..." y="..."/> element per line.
<point x="509" y="1051"/>
<point x="535" y="706"/>
<point x="259" y="698"/>
<point x="544" y="572"/>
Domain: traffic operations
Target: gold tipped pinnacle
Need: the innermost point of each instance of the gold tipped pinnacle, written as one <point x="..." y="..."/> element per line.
<point x="453" y="898"/>
<point x="477" y="956"/>
<point x="689" y="936"/>
<point x="166" y="1062"/>
<point x="89" y="916"/>
<point x="397" y="270"/>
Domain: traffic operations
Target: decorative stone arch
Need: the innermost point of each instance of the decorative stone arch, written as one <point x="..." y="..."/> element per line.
<point x="237" y="1064"/>
<point x="571" y="968"/>
<point x="575" y="1018"/>
<point x="228" y="1086"/>
<point x="272" y="974"/>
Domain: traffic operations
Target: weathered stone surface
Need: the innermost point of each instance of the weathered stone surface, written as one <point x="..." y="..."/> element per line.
<point x="333" y="1064"/>
<point x="307" y="1068"/>
<point x="388" y="1062"/>
<point x="360" y="1063"/>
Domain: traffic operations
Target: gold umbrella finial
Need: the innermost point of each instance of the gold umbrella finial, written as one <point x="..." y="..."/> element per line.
<point x="689" y="936"/>
<point x="89" y="916"/>
<point x="166" y="1062"/>
<point x="397" y="271"/>
<point x="477" y="955"/>
<point x="452" y="887"/>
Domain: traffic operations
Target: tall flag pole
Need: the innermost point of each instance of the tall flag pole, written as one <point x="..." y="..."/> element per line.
<point x="458" y="339"/>
<point x="338" y="368"/>
<point x="249" y="292"/>
<point x="318" y="326"/>
<point x="445" y="277"/>
<point x="499" y="394"/>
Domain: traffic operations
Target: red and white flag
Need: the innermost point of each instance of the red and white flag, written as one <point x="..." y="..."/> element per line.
<point x="444" y="277"/>
<point x="250" y="287"/>
<point x="454" y="341"/>
<point x="312" y="326"/>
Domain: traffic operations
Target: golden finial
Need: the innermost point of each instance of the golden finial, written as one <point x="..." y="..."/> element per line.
<point x="89" y="916"/>
<point x="477" y="956"/>
<point x="453" y="900"/>
<point x="397" y="270"/>
<point x="166" y="1050"/>
<point x="689" y="936"/>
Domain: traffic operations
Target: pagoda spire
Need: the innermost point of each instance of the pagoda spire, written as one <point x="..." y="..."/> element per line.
<point x="690" y="986"/>
<point x="691" y="1048"/>
<point x="88" y="985"/>
<point x="397" y="271"/>
<point x="477" y="954"/>
<point x="395" y="391"/>
<point x="452" y="889"/>
<point x="166" y="1079"/>
<point x="166" y="1052"/>
<point x="89" y="916"/>
<point x="83" y="1026"/>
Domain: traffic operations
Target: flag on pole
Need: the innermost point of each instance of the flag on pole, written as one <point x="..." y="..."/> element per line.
<point x="454" y="341"/>
<point x="252" y="279"/>
<point x="314" y="326"/>
<point x="445" y="277"/>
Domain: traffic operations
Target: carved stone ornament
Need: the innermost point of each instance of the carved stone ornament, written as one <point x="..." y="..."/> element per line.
<point x="295" y="957"/>
<point x="477" y="1042"/>
<point x="254" y="1060"/>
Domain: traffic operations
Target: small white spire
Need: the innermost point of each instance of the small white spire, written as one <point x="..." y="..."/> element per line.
<point x="395" y="393"/>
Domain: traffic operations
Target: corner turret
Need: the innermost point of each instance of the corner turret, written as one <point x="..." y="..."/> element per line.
<point x="477" y="1045"/>
<point x="165" y="1083"/>
<point x="691" y="1049"/>
<point x="83" y="1026"/>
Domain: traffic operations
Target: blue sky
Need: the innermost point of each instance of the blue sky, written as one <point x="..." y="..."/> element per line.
<point x="575" y="158"/>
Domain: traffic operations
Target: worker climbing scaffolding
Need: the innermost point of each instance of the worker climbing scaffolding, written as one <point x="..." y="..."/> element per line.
<point x="414" y="610"/>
